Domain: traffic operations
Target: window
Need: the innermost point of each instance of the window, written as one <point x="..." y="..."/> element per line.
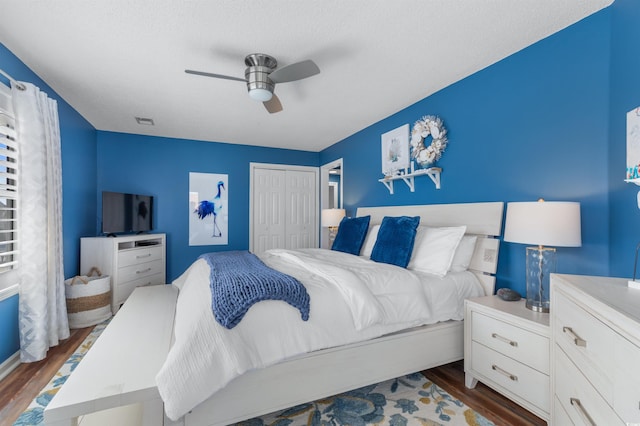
<point x="8" y="188"/>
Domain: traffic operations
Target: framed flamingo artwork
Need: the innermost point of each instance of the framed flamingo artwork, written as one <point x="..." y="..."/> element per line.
<point x="208" y="209"/>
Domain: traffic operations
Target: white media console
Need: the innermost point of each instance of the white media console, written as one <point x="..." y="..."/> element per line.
<point x="131" y="261"/>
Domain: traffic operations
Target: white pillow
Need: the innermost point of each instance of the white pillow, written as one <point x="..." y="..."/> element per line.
<point x="434" y="249"/>
<point x="464" y="253"/>
<point x="370" y="241"/>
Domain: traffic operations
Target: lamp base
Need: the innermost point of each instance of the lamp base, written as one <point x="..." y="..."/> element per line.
<point x="536" y="307"/>
<point x="541" y="262"/>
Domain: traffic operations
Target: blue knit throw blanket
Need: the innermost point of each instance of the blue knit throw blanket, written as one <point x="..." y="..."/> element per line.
<point x="239" y="279"/>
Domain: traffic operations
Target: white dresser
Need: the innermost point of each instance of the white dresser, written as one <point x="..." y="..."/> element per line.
<point x="131" y="261"/>
<point x="506" y="347"/>
<point x="596" y="351"/>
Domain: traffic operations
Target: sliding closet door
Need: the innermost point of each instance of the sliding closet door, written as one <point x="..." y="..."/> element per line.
<point x="284" y="203"/>
<point x="301" y="231"/>
<point x="269" y="198"/>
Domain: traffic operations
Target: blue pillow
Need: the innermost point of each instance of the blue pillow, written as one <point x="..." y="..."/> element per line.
<point x="395" y="240"/>
<point x="351" y="234"/>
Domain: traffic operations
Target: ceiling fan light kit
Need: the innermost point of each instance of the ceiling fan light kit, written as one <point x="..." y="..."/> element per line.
<point x="261" y="77"/>
<point x="259" y="84"/>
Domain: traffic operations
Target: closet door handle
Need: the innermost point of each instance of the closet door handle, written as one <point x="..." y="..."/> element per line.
<point x="583" y="413"/>
<point x="504" y="373"/>
<point x="577" y="340"/>
<point x="504" y="339"/>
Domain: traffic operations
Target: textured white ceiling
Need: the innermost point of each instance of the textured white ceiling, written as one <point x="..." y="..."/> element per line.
<point x="118" y="59"/>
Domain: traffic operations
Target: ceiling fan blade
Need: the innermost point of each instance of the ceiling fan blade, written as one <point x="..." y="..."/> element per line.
<point x="208" y="74"/>
<point x="293" y="72"/>
<point x="273" y="105"/>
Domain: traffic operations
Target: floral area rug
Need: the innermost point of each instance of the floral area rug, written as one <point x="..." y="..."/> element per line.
<point x="409" y="400"/>
<point x="34" y="414"/>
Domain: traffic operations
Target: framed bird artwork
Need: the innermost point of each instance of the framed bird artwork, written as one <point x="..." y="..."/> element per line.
<point x="208" y="209"/>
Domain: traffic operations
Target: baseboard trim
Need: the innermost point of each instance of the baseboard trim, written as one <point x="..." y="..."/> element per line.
<point x="9" y="365"/>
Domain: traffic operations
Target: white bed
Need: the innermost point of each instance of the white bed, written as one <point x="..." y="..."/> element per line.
<point x="324" y="372"/>
<point x="337" y="369"/>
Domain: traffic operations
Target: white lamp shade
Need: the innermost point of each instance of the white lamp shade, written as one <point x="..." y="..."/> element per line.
<point x="331" y="217"/>
<point x="544" y="223"/>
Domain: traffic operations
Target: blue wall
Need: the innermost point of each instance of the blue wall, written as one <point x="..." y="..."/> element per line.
<point x="625" y="95"/>
<point x="79" y="188"/>
<point x="161" y="166"/>
<point x="545" y="122"/>
<point x="533" y="125"/>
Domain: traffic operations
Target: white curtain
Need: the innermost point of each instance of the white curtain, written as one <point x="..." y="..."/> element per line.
<point x="42" y="307"/>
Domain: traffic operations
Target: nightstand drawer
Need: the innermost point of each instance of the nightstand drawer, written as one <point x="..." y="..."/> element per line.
<point x="523" y="381"/>
<point x="522" y="345"/>
<point x="588" y="342"/>
<point x="581" y="401"/>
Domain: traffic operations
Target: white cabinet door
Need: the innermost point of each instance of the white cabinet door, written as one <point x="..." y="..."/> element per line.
<point x="284" y="207"/>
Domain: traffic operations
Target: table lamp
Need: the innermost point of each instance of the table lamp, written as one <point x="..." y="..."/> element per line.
<point x="331" y="218"/>
<point x="543" y="223"/>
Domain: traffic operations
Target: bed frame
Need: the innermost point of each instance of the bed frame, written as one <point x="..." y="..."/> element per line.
<point x="100" y="383"/>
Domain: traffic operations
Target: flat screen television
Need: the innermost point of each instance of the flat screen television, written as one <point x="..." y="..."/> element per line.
<point x="126" y="213"/>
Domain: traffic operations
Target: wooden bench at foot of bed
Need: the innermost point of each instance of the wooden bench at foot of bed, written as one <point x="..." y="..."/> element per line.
<point x="121" y="367"/>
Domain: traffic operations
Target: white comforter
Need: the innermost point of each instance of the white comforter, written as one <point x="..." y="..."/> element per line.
<point x="352" y="299"/>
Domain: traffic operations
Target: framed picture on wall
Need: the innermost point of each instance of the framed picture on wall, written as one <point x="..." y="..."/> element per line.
<point x="395" y="150"/>
<point x="208" y="209"/>
<point x="633" y="144"/>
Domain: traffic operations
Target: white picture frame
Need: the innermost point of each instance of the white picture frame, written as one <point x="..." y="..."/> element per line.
<point x="633" y="145"/>
<point x="395" y="150"/>
<point x="208" y="209"/>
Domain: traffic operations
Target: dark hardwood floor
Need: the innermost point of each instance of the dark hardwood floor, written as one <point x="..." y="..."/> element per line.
<point x="483" y="399"/>
<point x="18" y="389"/>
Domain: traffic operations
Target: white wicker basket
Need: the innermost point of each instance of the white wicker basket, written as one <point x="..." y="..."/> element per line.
<point x="88" y="299"/>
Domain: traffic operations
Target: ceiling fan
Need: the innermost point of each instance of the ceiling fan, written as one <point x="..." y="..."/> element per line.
<point x="262" y="75"/>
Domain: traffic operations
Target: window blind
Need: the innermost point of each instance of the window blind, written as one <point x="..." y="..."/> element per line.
<point x="8" y="184"/>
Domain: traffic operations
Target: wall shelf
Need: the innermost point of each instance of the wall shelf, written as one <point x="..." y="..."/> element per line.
<point x="408" y="178"/>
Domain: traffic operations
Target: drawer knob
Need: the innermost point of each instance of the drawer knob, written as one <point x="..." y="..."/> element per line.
<point x="142" y="256"/>
<point x="583" y="413"/>
<point x="504" y="373"/>
<point x="504" y="339"/>
<point x="143" y="271"/>
<point x="577" y="340"/>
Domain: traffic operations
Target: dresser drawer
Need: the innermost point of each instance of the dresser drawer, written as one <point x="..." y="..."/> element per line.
<point x="134" y="272"/>
<point x="626" y="397"/>
<point x="587" y="341"/>
<point x="579" y="399"/>
<point x="125" y="290"/>
<point x="520" y="380"/>
<point x="139" y="255"/>
<point x="560" y="415"/>
<point x="522" y="345"/>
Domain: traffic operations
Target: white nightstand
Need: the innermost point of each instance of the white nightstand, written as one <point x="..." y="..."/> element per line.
<point x="506" y="347"/>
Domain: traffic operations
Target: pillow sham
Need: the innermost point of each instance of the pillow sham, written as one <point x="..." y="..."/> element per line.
<point x="369" y="241"/>
<point x="351" y="234"/>
<point x="394" y="243"/>
<point x="464" y="253"/>
<point x="435" y="248"/>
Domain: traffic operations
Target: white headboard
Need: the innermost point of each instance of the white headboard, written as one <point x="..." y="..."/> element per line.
<point x="481" y="219"/>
